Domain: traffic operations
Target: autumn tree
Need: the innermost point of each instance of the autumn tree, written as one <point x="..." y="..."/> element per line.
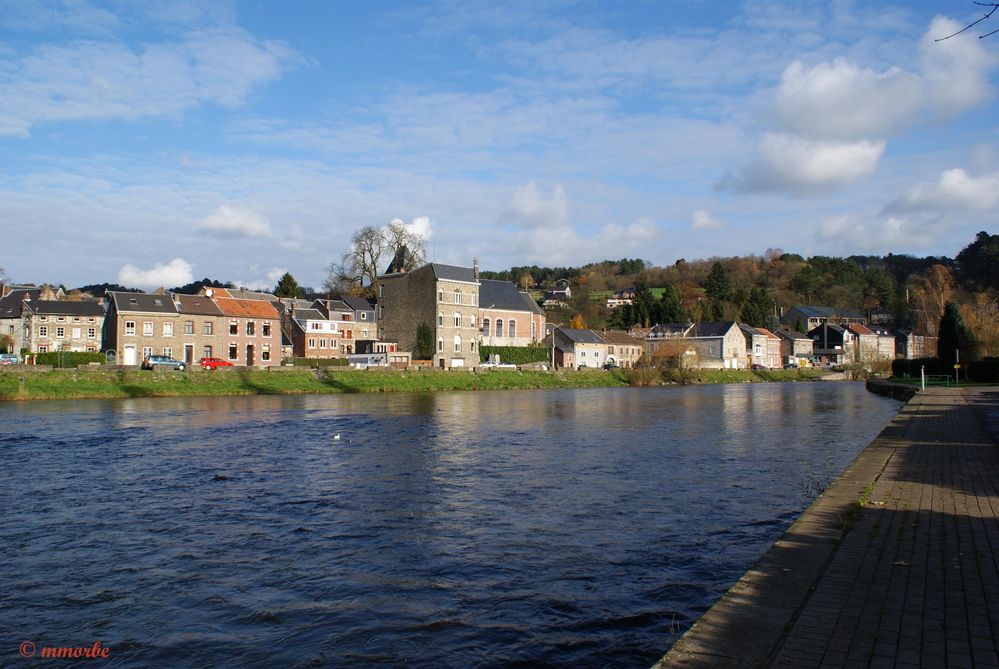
<point x="370" y="250"/>
<point x="981" y="314"/>
<point x="930" y="294"/>
<point x="577" y="322"/>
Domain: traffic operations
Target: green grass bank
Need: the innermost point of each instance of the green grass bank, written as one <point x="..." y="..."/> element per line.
<point x="28" y="384"/>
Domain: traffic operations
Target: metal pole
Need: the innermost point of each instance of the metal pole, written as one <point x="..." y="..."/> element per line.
<point x="957" y="366"/>
<point x="922" y="378"/>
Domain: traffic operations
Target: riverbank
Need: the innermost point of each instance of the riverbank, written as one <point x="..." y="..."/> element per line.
<point x="890" y="566"/>
<point x="103" y="383"/>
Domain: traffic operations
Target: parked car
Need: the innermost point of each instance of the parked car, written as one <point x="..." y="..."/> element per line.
<point x="162" y="361"/>
<point x="214" y="363"/>
<point x="611" y="365"/>
<point x="9" y="359"/>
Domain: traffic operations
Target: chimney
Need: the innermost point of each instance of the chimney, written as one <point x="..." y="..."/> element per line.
<point x="292" y="309"/>
<point x="475" y="268"/>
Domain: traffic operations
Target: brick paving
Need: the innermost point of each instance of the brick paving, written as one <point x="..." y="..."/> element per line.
<point x="912" y="582"/>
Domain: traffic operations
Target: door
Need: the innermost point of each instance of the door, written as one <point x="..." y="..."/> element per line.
<point x="249" y="355"/>
<point x="189" y="354"/>
<point x="129" y="357"/>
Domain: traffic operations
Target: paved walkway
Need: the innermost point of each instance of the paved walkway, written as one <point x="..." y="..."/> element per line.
<point x="913" y="581"/>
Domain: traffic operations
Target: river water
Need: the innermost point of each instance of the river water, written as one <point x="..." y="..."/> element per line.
<point x="569" y="528"/>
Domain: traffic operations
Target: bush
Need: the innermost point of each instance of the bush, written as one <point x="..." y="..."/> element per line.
<point x="912" y="367"/>
<point x="516" y="355"/>
<point x="68" y="359"/>
<point x="984" y="371"/>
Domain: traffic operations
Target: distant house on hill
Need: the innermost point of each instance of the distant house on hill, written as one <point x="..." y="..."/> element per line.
<point x="621" y="297"/>
<point x="812" y="317"/>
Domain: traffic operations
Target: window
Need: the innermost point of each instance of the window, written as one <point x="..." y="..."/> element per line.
<point x="130" y="327"/>
<point x="147" y="329"/>
<point x="457" y="344"/>
<point x="43" y="349"/>
<point x="167" y="351"/>
<point x="189" y="327"/>
<point x="457" y="319"/>
<point x="146" y="352"/>
<point x="457" y="296"/>
<point x="512" y="328"/>
<point x="381" y="290"/>
<point x="312" y="342"/>
<point x="381" y="333"/>
<point x="485" y="326"/>
<point x="472" y="321"/>
<point x="43" y="318"/>
<point x="364" y="333"/>
<point x="440" y="345"/>
<point x="381" y="311"/>
<point x="61" y="319"/>
<point x="233" y="353"/>
<point x="76" y="333"/>
<point x="265" y="352"/>
<point x="168" y="329"/>
<point x="233" y="328"/>
<point x="60" y="332"/>
<point x="43" y="330"/>
<point x="207" y="352"/>
<point x="265" y="329"/>
<point x="91" y="333"/>
<point x="471" y="345"/>
<point x="91" y="349"/>
<point x="499" y="327"/>
<point x="313" y="325"/>
<point x="440" y="295"/>
<point x="534" y="330"/>
<point x="582" y="354"/>
<point x="322" y="343"/>
<point x="207" y="329"/>
<point x="440" y="320"/>
<point x="251" y="328"/>
<point x="475" y="299"/>
<point x="610" y="350"/>
<point x="364" y="315"/>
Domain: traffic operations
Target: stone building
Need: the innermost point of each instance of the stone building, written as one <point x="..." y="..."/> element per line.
<point x="53" y="325"/>
<point x="623" y="349"/>
<point x="199" y="329"/>
<point x="139" y="325"/>
<point x="444" y="298"/>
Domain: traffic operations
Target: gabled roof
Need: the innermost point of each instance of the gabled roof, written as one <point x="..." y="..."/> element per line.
<point x="712" y="329"/>
<point x="283" y="304"/>
<point x="858" y="329"/>
<point x="501" y="295"/>
<point x="581" y="336"/>
<point x="243" y="294"/>
<point x="66" y="308"/>
<point x="619" y="337"/>
<point x="302" y="316"/>
<point x="832" y="326"/>
<point x="246" y="308"/>
<point x="750" y="330"/>
<point x="791" y="334"/>
<point x="147" y="303"/>
<point x="358" y="303"/>
<point x="669" y="330"/>
<point x="531" y="303"/>
<point x="767" y="333"/>
<point x="196" y="305"/>
<point x="10" y="306"/>
<point x="453" y="272"/>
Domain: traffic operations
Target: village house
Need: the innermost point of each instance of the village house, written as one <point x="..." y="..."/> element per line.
<point x="621" y="297"/>
<point x="443" y="298"/>
<point x="312" y="333"/>
<point x="811" y="317"/>
<point x="139" y="325"/>
<point x="796" y="348"/>
<point x="756" y="346"/>
<point x="576" y="349"/>
<point x="558" y="296"/>
<point x="886" y="342"/>
<point x="11" y="322"/>
<point x="251" y="334"/>
<point x="199" y="328"/>
<point x="366" y="328"/>
<point x="832" y="344"/>
<point x="52" y="325"/>
<point x="508" y="317"/>
<point x="865" y="343"/>
<point x="623" y="349"/>
<point x="340" y="313"/>
<point x="773" y="356"/>
<point x="911" y="346"/>
<point x="716" y="345"/>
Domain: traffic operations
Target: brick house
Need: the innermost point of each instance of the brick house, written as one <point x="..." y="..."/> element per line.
<point x="623" y="349"/>
<point x="313" y="334"/>
<point x="51" y="325"/>
<point x="578" y="348"/>
<point x="251" y="332"/>
<point x="445" y="298"/>
<point x="507" y="316"/>
<point x="364" y="310"/>
<point x="773" y="356"/>
<point x="139" y="325"/>
<point x="796" y="348"/>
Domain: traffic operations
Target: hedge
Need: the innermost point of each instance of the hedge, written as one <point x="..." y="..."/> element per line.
<point x="321" y="362"/>
<point x="981" y="371"/>
<point x="516" y="355"/>
<point x="68" y="359"/>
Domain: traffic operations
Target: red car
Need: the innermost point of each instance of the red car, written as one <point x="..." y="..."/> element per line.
<point x="214" y="363"/>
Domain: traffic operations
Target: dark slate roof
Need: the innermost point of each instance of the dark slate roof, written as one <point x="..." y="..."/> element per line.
<point x="750" y="330"/>
<point x="283" y="304"/>
<point x="10" y="306"/>
<point x="143" y="302"/>
<point x="501" y="295"/>
<point x="581" y="336"/>
<point x="196" y="305"/>
<point x="453" y="273"/>
<point x="791" y="334"/>
<point x="831" y="326"/>
<point x="303" y="315"/>
<point x="65" y="308"/>
<point x="531" y="303"/>
<point x="712" y="329"/>
<point x="358" y="303"/>
<point x="669" y="329"/>
<point x="620" y="337"/>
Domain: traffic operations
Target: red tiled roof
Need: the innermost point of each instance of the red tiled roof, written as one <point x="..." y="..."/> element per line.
<point x="246" y="308"/>
<point x="859" y="329"/>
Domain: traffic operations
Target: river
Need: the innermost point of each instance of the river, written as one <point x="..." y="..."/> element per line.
<point x="582" y="528"/>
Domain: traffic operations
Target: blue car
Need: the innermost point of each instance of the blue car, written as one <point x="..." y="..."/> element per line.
<point x="162" y="362"/>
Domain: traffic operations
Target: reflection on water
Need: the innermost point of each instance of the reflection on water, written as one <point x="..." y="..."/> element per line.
<point x="541" y="528"/>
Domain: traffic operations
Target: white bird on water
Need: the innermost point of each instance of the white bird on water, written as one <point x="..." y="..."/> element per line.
<point x="336" y="437"/>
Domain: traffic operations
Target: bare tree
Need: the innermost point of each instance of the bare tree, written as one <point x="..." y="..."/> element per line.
<point x="370" y="249"/>
<point x="993" y="7"/>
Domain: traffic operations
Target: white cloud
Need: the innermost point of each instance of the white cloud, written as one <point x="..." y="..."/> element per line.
<point x="532" y="209"/>
<point x="954" y="190"/>
<point x="421" y="226"/>
<point x="702" y="220"/>
<point x="563" y="245"/>
<point x="228" y="221"/>
<point x="112" y="80"/>
<point x="956" y="71"/>
<point x="177" y="272"/>
<point x="841" y="101"/>
<point x="788" y="163"/>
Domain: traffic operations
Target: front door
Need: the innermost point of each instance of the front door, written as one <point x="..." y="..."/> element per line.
<point x="249" y="355"/>
<point x="189" y="354"/>
<point x="129" y="357"/>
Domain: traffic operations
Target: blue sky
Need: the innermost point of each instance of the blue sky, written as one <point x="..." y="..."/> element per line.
<point x="156" y="143"/>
